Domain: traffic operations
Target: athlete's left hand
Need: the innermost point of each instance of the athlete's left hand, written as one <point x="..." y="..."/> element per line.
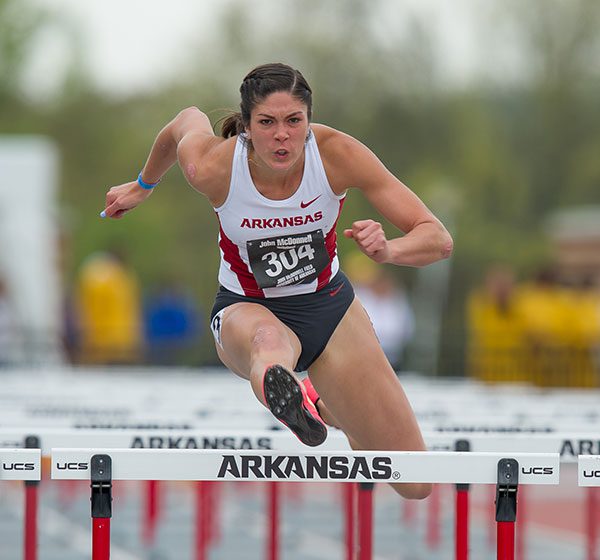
<point x="371" y="239"/>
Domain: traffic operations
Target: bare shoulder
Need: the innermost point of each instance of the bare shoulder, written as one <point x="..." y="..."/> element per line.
<point x="331" y="142"/>
<point x="346" y="160"/>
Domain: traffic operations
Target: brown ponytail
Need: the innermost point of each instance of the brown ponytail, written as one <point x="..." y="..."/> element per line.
<point x="232" y="125"/>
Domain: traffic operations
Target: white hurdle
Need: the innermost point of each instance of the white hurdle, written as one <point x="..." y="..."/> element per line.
<point x="302" y="466"/>
<point x="102" y="466"/>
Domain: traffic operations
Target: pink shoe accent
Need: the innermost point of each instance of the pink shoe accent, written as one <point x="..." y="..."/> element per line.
<point x="310" y="390"/>
<point x="289" y="402"/>
<point x="310" y="397"/>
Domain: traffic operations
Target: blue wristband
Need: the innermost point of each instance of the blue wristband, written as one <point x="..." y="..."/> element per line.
<point x="146" y="186"/>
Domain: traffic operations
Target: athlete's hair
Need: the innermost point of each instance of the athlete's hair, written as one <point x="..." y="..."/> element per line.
<point x="260" y="83"/>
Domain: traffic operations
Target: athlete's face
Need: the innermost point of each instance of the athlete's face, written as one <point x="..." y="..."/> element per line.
<point x="278" y="130"/>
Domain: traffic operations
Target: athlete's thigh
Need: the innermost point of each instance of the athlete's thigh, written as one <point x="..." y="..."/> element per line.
<point x="240" y="323"/>
<point x="361" y="389"/>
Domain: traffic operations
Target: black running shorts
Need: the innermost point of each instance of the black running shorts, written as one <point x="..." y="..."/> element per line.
<point x="313" y="317"/>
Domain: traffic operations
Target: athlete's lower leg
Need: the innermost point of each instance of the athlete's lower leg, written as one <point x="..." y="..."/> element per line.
<point x="410" y="490"/>
<point x="321" y="407"/>
<point x="272" y="361"/>
<point x="269" y="347"/>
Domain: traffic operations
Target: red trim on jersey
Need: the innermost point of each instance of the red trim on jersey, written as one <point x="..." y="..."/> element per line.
<point x="331" y="246"/>
<point x="231" y="254"/>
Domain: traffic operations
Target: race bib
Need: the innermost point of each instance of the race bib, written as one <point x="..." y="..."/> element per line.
<point x="288" y="259"/>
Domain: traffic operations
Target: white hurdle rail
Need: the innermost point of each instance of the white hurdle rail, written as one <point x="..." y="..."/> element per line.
<point x="20" y="464"/>
<point x="302" y="466"/>
<point x="209" y="438"/>
<point x="569" y="444"/>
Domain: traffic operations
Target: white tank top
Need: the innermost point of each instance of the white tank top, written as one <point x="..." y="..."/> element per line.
<point x="273" y="248"/>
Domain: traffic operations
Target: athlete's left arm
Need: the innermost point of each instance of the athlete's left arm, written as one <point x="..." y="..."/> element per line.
<point x="425" y="239"/>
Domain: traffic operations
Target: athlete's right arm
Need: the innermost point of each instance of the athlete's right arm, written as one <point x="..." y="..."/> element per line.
<point x="189" y="137"/>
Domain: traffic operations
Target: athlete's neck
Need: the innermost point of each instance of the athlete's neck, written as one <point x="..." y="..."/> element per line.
<point x="274" y="183"/>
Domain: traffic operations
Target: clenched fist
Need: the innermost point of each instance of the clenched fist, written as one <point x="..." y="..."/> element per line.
<point x="370" y="238"/>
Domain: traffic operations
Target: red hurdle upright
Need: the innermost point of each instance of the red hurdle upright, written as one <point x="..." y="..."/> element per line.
<point x="151" y="512"/>
<point x="350" y="490"/>
<point x="592" y="523"/>
<point x="101" y="485"/>
<point x="506" y="507"/>
<point x="274" y="494"/>
<point x="31" y="508"/>
<point x="365" y="520"/>
<point x="462" y="510"/>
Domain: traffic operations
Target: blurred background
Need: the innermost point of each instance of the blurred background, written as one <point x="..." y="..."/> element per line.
<point x="487" y="110"/>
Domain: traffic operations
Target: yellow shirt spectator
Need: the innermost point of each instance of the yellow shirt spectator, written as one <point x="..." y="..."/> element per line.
<point x="496" y="330"/>
<point x="109" y="312"/>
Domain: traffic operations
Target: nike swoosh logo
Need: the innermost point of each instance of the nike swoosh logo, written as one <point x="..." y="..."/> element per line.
<point x="336" y="290"/>
<point x="307" y="204"/>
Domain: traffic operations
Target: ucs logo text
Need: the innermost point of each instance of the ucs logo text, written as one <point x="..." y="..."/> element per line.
<point x="305" y="467"/>
<point x="591" y="474"/>
<point x="72" y="466"/>
<point x="537" y="470"/>
<point x="18" y="466"/>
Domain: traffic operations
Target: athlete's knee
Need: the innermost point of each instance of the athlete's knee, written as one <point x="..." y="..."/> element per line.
<point x="267" y="337"/>
<point x="414" y="491"/>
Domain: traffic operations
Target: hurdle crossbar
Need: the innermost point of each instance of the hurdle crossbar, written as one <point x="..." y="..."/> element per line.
<point x="372" y="466"/>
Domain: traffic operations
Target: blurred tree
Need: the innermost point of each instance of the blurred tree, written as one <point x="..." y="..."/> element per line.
<point x="558" y="121"/>
<point x="19" y="23"/>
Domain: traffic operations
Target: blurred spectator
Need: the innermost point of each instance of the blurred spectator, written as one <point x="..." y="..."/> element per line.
<point x="108" y="310"/>
<point x="387" y="304"/>
<point x="496" y="329"/>
<point x="543" y="332"/>
<point x="547" y="309"/>
<point x="584" y="321"/>
<point x="172" y="324"/>
<point x="7" y="327"/>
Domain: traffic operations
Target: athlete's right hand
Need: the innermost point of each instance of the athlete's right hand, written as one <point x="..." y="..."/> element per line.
<point x="123" y="198"/>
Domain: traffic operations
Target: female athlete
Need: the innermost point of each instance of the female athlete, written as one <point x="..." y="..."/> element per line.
<point x="277" y="183"/>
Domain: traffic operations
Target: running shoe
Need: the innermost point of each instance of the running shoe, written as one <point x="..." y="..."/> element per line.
<point x="289" y="403"/>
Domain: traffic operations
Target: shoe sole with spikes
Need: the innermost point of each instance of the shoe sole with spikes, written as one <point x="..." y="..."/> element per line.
<point x="289" y="403"/>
